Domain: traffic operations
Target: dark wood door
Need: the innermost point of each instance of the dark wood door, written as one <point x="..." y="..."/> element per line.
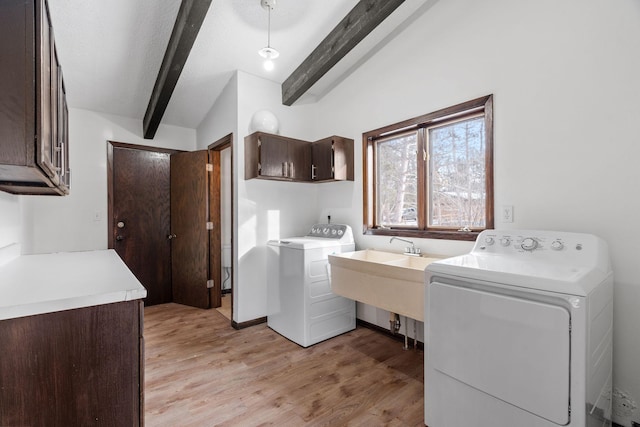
<point x="140" y="221"/>
<point x="190" y="236"/>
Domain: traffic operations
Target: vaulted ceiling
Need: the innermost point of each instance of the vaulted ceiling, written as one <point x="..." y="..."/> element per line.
<point x="111" y="51"/>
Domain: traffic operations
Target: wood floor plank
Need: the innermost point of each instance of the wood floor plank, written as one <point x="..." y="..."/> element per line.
<point x="201" y="372"/>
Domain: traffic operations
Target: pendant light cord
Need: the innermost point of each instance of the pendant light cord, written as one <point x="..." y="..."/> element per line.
<point x="269" y="28"/>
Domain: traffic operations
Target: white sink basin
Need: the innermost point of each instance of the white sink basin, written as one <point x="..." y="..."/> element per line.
<point x="391" y="281"/>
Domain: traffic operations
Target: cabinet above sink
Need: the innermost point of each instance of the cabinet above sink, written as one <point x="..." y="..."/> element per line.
<point x="277" y="157"/>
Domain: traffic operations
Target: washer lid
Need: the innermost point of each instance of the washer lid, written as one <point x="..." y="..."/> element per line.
<point x="553" y="277"/>
<point x="307" y="243"/>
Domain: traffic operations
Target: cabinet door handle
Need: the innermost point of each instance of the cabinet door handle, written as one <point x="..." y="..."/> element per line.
<point x="62" y="159"/>
<point x="291" y="173"/>
<point x="284" y="168"/>
<point x="313" y="172"/>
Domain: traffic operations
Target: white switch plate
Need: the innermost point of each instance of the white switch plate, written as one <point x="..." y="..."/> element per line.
<point x="507" y="213"/>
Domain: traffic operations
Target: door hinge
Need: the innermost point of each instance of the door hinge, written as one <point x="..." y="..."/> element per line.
<point x="210" y="283"/>
<point x="209" y="226"/>
<point x="209" y="167"/>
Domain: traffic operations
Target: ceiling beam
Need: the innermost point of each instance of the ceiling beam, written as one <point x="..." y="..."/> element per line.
<point x="358" y="23"/>
<point x="188" y="23"/>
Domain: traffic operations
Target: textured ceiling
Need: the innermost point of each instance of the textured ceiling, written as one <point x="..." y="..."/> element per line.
<point x="111" y="51"/>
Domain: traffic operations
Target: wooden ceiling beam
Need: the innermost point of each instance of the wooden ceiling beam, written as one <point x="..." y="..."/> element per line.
<point x="188" y="22"/>
<point x="358" y="23"/>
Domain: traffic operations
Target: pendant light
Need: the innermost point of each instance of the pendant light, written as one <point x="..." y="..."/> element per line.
<point x="268" y="53"/>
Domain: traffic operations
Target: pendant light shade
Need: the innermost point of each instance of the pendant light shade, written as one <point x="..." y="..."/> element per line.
<point x="268" y="53"/>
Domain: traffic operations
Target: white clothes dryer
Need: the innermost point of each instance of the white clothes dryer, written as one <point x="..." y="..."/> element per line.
<point x="519" y="332"/>
<point x="300" y="304"/>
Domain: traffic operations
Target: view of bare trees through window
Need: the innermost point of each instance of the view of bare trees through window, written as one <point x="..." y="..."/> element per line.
<point x="431" y="176"/>
<point x="457" y="174"/>
<point x="456" y="188"/>
<point x="397" y="179"/>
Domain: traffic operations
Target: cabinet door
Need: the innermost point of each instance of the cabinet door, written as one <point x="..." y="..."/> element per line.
<point x="333" y="159"/>
<point x="274" y="156"/>
<point x="322" y="155"/>
<point x="45" y="145"/>
<point x="61" y="132"/>
<point x="299" y="160"/>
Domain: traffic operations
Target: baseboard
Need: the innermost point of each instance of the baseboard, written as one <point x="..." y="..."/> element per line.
<point x="387" y="332"/>
<point x="248" y="323"/>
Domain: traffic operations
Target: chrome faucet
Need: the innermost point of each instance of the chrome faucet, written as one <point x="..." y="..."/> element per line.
<point x="409" y="250"/>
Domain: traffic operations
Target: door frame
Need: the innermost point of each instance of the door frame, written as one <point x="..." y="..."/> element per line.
<point x="215" y="236"/>
<point x="110" y="146"/>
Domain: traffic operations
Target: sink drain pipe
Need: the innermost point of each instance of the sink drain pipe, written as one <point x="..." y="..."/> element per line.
<point x="394" y="323"/>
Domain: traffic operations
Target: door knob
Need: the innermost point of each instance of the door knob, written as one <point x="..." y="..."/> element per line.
<point x="171" y="236"/>
<point x="119" y="237"/>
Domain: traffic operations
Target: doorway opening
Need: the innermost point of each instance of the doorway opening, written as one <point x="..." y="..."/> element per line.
<point x="221" y="213"/>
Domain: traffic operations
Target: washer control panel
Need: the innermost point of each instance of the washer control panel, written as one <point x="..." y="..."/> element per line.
<point x="330" y="231"/>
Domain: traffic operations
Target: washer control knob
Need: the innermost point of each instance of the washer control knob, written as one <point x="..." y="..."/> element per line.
<point x="529" y="244"/>
<point x="489" y="240"/>
<point x="557" y="245"/>
<point x="325" y="231"/>
<point x="505" y="241"/>
<point x="340" y="232"/>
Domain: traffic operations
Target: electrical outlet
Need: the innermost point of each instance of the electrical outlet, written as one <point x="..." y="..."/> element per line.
<point x="507" y="213"/>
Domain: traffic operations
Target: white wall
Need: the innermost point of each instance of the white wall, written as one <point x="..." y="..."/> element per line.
<point x="266" y="209"/>
<point x="55" y="224"/>
<point x="565" y="80"/>
<point x="263" y="209"/>
<point x="10" y="219"/>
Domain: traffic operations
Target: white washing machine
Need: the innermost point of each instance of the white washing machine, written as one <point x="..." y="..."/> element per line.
<point x="519" y="332"/>
<point x="300" y="304"/>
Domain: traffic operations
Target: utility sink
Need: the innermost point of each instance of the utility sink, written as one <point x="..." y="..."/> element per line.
<point x="391" y="281"/>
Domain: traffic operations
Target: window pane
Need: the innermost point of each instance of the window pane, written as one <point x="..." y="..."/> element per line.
<point x="396" y="181"/>
<point x="457" y="192"/>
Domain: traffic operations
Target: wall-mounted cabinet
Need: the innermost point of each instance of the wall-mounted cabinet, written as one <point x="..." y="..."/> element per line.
<point x="332" y="159"/>
<point x="276" y="157"/>
<point x="34" y="145"/>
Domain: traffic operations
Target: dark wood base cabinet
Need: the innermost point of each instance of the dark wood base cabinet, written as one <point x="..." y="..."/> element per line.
<point x="78" y="367"/>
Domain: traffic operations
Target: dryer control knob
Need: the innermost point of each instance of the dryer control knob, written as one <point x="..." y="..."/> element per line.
<point x="529" y="244"/>
<point x="505" y="241"/>
<point x="557" y="245"/>
<point x="489" y="241"/>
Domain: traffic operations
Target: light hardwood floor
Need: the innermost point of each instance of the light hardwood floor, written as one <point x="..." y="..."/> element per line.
<point x="201" y="372"/>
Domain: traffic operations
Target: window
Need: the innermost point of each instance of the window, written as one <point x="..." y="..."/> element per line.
<point x="431" y="176"/>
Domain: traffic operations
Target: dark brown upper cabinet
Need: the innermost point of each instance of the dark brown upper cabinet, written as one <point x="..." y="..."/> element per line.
<point x="332" y="159"/>
<point x="34" y="127"/>
<point x="276" y="157"/>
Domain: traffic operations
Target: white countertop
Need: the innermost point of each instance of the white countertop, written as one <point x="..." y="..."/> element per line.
<point x="37" y="284"/>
